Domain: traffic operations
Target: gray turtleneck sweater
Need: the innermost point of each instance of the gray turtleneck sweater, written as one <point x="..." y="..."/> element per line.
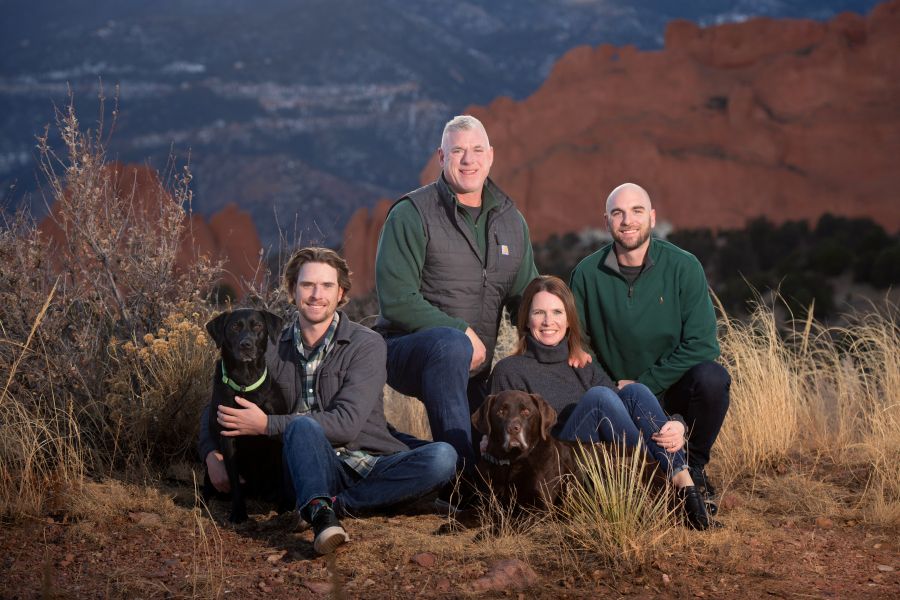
<point x="545" y="370"/>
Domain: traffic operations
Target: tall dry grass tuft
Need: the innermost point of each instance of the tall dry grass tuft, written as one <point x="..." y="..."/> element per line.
<point x="852" y="413"/>
<point x="207" y="574"/>
<point x="818" y="393"/>
<point x="766" y="394"/>
<point x="614" y="513"/>
<point x="40" y="456"/>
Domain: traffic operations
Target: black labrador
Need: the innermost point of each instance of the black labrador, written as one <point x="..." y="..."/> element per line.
<point x="243" y="336"/>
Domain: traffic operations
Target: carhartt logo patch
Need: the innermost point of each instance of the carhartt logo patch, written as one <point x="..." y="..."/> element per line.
<point x="504" y="250"/>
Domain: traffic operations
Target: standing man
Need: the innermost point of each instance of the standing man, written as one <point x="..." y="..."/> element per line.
<point x="340" y="455"/>
<point x="451" y="254"/>
<point x="645" y="305"/>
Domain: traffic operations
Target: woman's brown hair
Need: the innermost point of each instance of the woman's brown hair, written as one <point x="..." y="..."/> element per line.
<point x="557" y="287"/>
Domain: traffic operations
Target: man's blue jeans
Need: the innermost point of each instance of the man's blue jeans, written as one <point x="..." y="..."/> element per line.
<point x="315" y="471"/>
<point x="433" y="366"/>
<point x="632" y="414"/>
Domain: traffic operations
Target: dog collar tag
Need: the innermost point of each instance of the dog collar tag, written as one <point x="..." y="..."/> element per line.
<point x="243" y="388"/>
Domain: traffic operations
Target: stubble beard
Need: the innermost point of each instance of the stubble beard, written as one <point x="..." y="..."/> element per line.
<point x="644" y="235"/>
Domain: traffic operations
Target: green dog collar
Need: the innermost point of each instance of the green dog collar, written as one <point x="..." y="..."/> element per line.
<point x="242" y="388"/>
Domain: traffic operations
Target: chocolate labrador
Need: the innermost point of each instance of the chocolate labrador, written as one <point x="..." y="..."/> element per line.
<point x="523" y="464"/>
<point x="243" y="336"/>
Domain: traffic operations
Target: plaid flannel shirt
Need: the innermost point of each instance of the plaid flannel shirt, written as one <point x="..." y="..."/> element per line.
<point x="309" y="362"/>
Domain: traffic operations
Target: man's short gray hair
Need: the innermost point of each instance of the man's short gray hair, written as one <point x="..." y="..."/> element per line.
<point x="463" y="123"/>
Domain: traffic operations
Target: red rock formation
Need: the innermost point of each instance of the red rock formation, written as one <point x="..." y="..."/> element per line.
<point x="784" y="118"/>
<point x="361" y="242"/>
<point x="230" y="234"/>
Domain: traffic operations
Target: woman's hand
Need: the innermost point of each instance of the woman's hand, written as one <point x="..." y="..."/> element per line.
<point x="579" y="358"/>
<point x="249" y="420"/>
<point x="670" y="437"/>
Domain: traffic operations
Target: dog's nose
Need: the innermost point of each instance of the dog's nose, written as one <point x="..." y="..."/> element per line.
<point x="245" y="343"/>
<point x="514" y="427"/>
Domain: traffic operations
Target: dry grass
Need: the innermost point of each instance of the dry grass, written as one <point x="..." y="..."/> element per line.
<point x="761" y="426"/>
<point x="40" y="449"/>
<point x="818" y="393"/>
<point x="207" y="568"/>
<point x="615" y="514"/>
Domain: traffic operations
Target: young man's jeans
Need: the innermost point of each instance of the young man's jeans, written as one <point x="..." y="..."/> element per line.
<point x="433" y="366"/>
<point x="701" y="396"/>
<point x="632" y="414"/>
<point x="315" y="471"/>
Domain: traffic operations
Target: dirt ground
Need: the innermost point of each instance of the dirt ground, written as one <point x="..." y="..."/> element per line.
<point x="771" y="546"/>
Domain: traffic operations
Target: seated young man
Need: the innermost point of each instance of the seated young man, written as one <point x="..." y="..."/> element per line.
<point x="340" y="455"/>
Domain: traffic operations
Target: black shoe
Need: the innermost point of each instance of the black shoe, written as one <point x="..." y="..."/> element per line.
<point x="454" y="499"/>
<point x="706" y="489"/>
<point x="702" y="482"/>
<point x="694" y="508"/>
<point x="328" y="531"/>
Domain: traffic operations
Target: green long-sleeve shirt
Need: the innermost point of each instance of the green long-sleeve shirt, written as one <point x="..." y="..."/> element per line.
<point x="401" y="257"/>
<point x="654" y="329"/>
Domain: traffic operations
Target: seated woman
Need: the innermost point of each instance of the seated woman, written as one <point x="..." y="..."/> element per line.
<point x="585" y="399"/>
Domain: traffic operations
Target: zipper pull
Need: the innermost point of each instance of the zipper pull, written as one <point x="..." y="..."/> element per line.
<point x="630" y="290"/>
<point x="483" y="277"/>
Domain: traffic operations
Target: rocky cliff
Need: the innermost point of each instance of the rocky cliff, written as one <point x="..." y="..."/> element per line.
<point x="784" y="118"/>
<point x="229" y="235"/>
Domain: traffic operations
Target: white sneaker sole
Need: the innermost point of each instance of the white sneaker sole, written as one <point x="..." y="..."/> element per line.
<point x="329" y="540"/>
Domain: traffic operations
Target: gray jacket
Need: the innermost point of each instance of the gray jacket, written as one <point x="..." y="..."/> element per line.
<point x="349" y="391"/>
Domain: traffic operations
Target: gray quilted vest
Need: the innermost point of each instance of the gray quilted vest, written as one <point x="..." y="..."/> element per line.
<point x="456" y="278"/>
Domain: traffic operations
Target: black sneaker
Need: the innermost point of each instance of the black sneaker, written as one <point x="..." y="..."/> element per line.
<point x="706" y="489"/>
<point x="452" y="500"/>
<point x="328" y="531"/>
<point x="694" y="508"/>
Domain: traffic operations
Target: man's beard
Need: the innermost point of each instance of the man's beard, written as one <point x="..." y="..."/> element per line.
<point x="643" y="236"/>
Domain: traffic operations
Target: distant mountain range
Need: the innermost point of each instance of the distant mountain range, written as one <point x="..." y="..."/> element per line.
<point x="302" y="111"/>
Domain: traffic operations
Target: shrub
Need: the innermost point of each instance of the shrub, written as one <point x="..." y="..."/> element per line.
<point x="105" y="262"/>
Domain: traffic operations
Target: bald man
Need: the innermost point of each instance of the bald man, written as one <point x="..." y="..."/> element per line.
<point x="645" y="305"/>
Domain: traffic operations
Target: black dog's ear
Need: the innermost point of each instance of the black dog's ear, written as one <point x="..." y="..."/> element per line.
<point x="216" y="328"/>
<point x="548" y="415"/>
<point x="481" y="418"/>
<point x="273" y="324"/>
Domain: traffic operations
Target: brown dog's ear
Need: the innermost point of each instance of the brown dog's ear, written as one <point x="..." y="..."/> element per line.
<point x="481" y="418"/>
<point x="548" y="415"/>
<point x="273" y="324"/>
<point x="216" y="328"/>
